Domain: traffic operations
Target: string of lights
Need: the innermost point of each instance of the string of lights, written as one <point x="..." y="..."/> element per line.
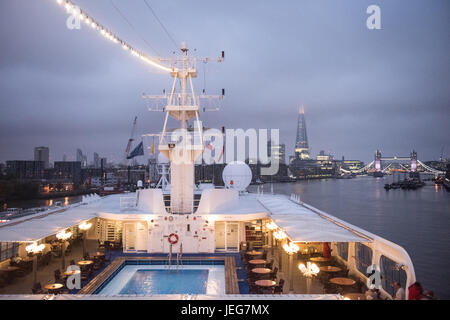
<point x="91" y="22"/>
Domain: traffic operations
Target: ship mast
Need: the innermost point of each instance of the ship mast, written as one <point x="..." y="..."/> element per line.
<point x="182" y="146"/>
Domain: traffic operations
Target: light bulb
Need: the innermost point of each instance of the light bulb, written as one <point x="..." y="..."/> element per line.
<point x="302" y="268"/>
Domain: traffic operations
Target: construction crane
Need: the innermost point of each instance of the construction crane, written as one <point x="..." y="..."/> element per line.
<point x="130" y="141"/>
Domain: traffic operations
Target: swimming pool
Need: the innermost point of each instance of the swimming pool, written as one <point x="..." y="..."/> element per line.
<point x="155" y="277"/>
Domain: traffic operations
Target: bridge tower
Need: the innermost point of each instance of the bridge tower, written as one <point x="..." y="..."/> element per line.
<point x="413" y="161"/>
<point x="378" y="161"/>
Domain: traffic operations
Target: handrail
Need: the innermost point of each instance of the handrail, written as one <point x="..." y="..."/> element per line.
<point x="180" y="256"/>
<point x="170" y="256"/>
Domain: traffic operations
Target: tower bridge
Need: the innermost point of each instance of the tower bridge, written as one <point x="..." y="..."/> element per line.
<point x="381" y="164"/>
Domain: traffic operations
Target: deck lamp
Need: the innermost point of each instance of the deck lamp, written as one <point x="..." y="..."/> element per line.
<point x="84" y="226"/>
<point x="279" y="235"/>
<point x="309" y="271"/>
<point x="271" y="226"/>
<point x="33" y="250"/>
<point x="63" y="236"/>
<point x="291" y="249"/>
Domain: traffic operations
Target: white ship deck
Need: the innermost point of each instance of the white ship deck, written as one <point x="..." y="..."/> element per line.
<point x="143" y="216"/>
<point x="301" y="223"/>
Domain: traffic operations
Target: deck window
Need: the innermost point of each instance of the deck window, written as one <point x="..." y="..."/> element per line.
<point x="8" y="250"/>
<point x="363" y="256"/>
<point x="391" y="272"/>
<point x="227" y="236"/>
<point x="342" y="250"/>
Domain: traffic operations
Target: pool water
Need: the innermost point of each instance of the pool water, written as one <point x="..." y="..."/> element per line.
<point x="153" y="279"/>
<point x="167" y="282"/>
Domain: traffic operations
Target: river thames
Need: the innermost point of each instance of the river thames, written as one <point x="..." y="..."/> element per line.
<point x="418" y="220"/>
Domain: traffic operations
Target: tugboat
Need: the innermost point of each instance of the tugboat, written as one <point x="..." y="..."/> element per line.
<point x="378" y="174"/>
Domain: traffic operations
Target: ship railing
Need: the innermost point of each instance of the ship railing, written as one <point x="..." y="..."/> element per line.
<point x="191" y="139"/>
<point x="165" y="102"/>
<point x="296" y="198"/>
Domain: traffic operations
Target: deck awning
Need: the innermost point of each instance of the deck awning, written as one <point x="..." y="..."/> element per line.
<point x="302" y="224"/>
<point x="36" y="228"/>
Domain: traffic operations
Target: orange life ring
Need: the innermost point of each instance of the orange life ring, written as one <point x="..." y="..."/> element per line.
<point x="173" y="238"/>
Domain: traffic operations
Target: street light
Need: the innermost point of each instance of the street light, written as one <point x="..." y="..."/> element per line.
<point x="84" y="226"/>
<point x="279" y="236"/>
<point x="291" y="249"/>
<point x="63" y="236"/>
<point x="309" y="271"/>
<point x="33" y="250"/>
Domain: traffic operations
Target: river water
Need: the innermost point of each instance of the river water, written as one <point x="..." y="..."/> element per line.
<point x="34" y="203"/>
<point x="418" y="220"/>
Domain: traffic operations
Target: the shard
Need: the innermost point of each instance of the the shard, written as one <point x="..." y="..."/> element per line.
<point x="301" y="144"/>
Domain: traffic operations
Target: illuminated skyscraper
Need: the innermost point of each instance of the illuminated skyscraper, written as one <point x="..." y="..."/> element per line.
<point x="301" y="144"/>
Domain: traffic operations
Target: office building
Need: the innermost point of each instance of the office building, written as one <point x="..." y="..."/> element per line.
<point x="25" y="169"/>
<point x="96" y="162"/>
<point x="68" y="171"/>
<point x="82" y="158"/>
<point x="301" y="143"/>
<point x="42" y="154"/>
<point x="276" y="152"/>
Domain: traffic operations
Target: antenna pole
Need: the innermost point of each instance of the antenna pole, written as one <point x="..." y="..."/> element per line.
<point x="184" y="145"/>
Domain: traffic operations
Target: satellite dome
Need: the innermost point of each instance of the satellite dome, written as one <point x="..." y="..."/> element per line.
<point x="237" y="175"/>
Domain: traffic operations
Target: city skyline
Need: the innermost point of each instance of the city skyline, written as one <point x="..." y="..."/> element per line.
<point x="379" y="89"/>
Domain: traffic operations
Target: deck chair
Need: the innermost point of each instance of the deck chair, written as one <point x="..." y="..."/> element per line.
<point x="273" y="274"/>
<point x="37" y="289"/>
<point x="269" y="265"/>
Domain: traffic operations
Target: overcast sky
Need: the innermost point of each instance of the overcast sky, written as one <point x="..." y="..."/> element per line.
<point x="362" y="89"/>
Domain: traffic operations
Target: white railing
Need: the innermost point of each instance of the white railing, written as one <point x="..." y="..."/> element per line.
<point x="296" y="198"/>
<point x="86" y="199"/>
<point x="177" y="138"/>
<point x="203" y="102"/>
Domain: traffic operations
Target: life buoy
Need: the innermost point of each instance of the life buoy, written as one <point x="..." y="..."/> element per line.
<point x="173" y="238"/>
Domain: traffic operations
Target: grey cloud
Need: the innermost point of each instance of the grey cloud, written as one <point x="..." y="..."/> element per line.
<point x="362" y="89"/>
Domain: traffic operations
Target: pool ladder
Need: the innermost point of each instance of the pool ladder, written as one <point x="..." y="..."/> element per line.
<point x="169" y="263"/>
<point x="180" y="256"/>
